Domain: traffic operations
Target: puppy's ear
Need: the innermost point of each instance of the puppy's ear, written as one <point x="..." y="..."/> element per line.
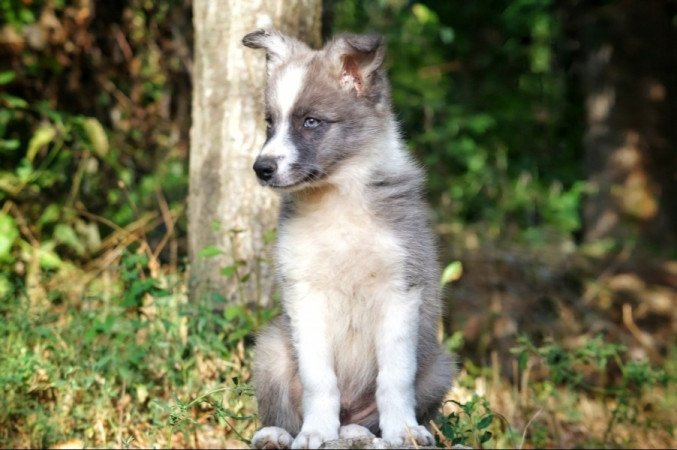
<point x="279" y="47"/>
<point x="360" y="59"/>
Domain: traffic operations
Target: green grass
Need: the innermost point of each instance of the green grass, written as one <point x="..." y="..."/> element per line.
<point x="133" y="361"/>
<point x="130" y="362"/>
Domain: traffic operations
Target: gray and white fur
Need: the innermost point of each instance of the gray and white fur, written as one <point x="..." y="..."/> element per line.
<point x="355" y="351"/>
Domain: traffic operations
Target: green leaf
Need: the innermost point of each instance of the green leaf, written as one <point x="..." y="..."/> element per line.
<point x="485" y="437"/>
<point x="5" y="285"/>
<point x="523" y="359"/>
<point x="10" y="144"/>
<point x="480" y="123"/>
<point x="43" y="136"/>
<point x="159" y="292"/>
<point x="234" y="311"/>
<point x="228" y="271"/>
<point x="485" y="421"/>
<point x="455" y="342"/>
<point x="10" y="183"/>
<point x="210" y="251"/>
<point x="6" y="76"/>
<point x="423" y="13"/>
<point x="24" y="171"/>
<point x="49" y="259"/>
<point x="134" y="295"/>
<point x="237" y="334"/>
<point x="64" y="234"/>
<point x="14" y="101"/>
<point x="97" y="136"/>
<point x="452" y="272"/>
<point x="50" y="214"/>
<point x="8" y="234"/>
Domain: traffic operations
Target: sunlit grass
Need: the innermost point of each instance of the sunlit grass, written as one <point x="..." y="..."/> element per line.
<point x="132" y="363"/>
<point x="536" y="412"/>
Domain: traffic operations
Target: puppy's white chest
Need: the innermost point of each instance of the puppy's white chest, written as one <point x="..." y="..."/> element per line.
<point x="339" y="249"/>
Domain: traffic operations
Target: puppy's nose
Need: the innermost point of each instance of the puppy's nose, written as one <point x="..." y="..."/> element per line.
<point x="265" y="168"/>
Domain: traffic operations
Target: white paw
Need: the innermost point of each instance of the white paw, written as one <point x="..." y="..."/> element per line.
<point x="272" y="437"/>
<point x="354" y="431"/>
<point x="313" y="438"/>
<point x="409" y="435"/>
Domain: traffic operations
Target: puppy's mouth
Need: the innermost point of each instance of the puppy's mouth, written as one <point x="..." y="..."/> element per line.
<point x="305" y="178"/>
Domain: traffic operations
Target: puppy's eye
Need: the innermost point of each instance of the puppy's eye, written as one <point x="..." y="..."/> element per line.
<point x="269" y="121"/>
<point x="311" y="122"/>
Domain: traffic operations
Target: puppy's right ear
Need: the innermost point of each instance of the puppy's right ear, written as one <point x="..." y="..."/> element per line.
<point x="279" y="47"/>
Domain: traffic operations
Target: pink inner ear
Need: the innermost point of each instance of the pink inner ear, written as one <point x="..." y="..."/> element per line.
<point x="350" y="75"/>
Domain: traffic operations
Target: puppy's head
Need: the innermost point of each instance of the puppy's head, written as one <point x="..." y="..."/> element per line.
<point x="322" y="107"/>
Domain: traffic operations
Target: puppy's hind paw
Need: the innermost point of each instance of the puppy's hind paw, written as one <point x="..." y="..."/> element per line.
<point x="272" y="437"/>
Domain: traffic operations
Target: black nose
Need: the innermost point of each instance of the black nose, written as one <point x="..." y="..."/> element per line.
<point x="265" y="168"/>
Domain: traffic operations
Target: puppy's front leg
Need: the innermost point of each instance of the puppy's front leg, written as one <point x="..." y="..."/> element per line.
<point x="396" y="342"/>
<point x="321" y="398"/>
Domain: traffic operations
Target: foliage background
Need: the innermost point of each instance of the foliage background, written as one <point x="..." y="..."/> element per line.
<point x="563" y="342"/>
<point x="487" y="107"/>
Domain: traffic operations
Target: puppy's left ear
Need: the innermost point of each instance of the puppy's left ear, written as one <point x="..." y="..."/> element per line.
<point x="360" y="59"/>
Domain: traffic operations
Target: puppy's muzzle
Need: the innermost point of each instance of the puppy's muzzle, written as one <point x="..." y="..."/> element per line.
<point x="265" y="167"/>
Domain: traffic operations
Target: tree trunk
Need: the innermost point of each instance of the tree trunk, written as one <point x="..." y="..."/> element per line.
<point x="229" y="213"/>
<point x="630" y="145"/>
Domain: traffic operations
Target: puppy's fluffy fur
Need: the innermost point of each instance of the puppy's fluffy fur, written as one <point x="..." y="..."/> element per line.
<point x="354" y="352"/>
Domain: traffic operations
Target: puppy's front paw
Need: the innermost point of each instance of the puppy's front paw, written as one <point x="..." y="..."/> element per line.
<point x="271" y="437"/>
<point x="415" y="434"/>
<point x="313" y="438"/>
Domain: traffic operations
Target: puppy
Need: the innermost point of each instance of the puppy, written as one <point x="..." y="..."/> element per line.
<point x="354" y="353"/>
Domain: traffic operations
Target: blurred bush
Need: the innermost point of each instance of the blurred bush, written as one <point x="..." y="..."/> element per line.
<point x="95" y="104"/>
<point x="94" y="116"/>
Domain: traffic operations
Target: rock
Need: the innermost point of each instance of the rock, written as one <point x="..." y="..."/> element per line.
<point x="372" y="443"/>
<point x="356" y="443"/>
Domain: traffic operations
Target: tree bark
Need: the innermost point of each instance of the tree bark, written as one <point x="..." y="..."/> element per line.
<point x="228" y="212"/>
<point x="629" y="79"/>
